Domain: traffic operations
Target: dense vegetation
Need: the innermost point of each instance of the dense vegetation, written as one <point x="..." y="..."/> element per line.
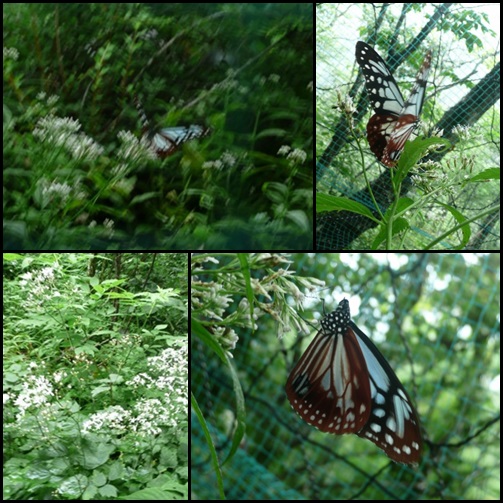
<point x="95" y="376"/>
<point x="75" y="169"/>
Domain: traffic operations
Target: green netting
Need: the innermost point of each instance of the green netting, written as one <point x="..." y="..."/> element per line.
<point x="245" y="478"/>
<point x="436" y="320"/>
<point x="461" y="105"/>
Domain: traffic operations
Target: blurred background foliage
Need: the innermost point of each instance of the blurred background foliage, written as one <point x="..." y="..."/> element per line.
<point x="244" y="70"/>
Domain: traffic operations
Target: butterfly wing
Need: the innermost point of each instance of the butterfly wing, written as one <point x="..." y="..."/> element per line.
<point x="167" y="140"/>
<point x="329" y="384"/>
<point x="409" y="116"/>
<point x="393" y="424"/>
<point x="180" y="134"/>
<point x="382" y="89"/>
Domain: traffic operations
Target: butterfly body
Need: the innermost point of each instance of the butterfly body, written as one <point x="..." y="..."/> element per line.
<point x="342" y="384"/>
<point x="395" y="119"/>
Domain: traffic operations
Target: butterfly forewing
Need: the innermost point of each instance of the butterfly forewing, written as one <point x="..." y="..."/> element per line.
<point x="382" y="89"/>
<point x="414" y="104"/>
<point x="342" y="384"/>
<point x="393" y="424"/>
<point x="327" y="387"/>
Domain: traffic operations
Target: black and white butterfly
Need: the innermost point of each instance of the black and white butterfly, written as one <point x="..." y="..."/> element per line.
<point x="394" y="120"/>
<point x="343" y="384"/>
<point x="166" y="141"/>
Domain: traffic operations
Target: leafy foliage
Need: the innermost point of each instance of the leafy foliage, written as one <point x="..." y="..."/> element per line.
<point x="95" y="390"/>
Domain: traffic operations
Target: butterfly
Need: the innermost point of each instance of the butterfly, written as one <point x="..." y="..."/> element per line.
<point x="166" y="141"/>
<point x="343" y="384"/>
<point x="395" y="120"/>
